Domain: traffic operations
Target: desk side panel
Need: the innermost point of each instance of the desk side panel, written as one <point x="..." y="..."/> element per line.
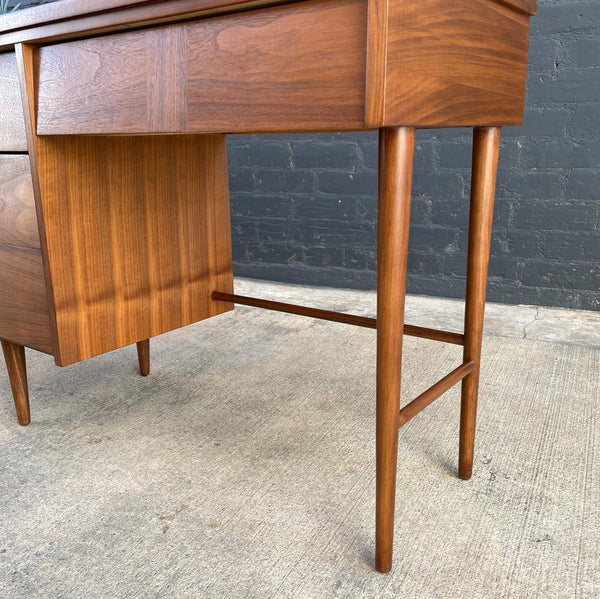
<point x="297" y="67"/>
<point x="138" y="236"/>
<point x="449" y="64"/>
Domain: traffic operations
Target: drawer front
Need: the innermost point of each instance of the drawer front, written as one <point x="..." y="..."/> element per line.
<point x="12" y="125"/>
<point x="18" y="220"/>
<point x="294" y="67"/>
<point x="24" y="316"/>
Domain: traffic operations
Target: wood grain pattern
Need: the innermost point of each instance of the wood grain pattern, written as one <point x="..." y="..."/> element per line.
<point x="454" y="63"/>
<point x="377" y="36"/>
<point x="238" y="73"/>
<point x="100" y="85"/>
<point x="71" y="12"/>
<point x="18" y="219"/>
<point x="528" y="7"/>
<point x="396" y="152"/>
<point x="14" y="357"/>
<point x="486" y="150"/>
<point x="137" y="236"/>
<point x="12" y="127"/>
<point x="126" y="18"/>
<point x="267" y="71"/>
<point x="24" y="317"/>
<point x="77" y="16"/>
<point x="25" y="56"/>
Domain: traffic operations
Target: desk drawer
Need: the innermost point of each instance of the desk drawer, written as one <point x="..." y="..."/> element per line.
<point x="12" y="126"/>
<point x="18" y="219"/>
<point x="24" y="315"/>
<point x="294" y="67"/>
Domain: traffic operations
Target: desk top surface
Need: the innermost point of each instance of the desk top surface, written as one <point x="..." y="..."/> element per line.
<point x="68" y="10"/>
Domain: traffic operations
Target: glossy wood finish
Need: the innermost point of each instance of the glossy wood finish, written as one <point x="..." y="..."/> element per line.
<point x="528" y="7"/>
<point x="24" y="317"/>
<point x="73" y="18"/>
<point x="246" y="74"/>
<point x="136" y="16"/>
<point x="429" y="63"/>
<point x="486" y="148"/>
<point x="136" y="232"/>
<point x="14" y="357"/>
<point x="360" y="321"/>
<point x="378" y="27"/>
<point x="12" y="127"/>
<point x="142" y="242"/>
<point x="226" y="74"/>
<point x="396" y="147"/>
<point x="410" y="410"/>
<point x="18" y="219"/>
<point x="444" y="65"/>
<point x="143" y="351"/>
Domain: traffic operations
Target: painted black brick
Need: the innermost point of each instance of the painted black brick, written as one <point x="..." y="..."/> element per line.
<point x="546" y="246"/>
<point x="304" y="208"/>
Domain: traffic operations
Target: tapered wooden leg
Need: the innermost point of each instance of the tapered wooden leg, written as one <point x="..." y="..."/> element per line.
<point x="14" y="355"/>
<point x="143" y="350"/>
<point x="486" y="148"/>
<point x="396" y="151"/>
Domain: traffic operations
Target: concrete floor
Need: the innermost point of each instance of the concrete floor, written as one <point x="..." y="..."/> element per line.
<point x="243" y="466"/>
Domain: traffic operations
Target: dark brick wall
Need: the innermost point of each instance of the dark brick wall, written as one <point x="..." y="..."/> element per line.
<point x="304" y="207"/>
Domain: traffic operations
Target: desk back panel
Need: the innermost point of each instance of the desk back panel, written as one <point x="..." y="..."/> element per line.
<point x="12" y="127"/>
<point x="306" y="66"/>
<point x="295" y="67"/>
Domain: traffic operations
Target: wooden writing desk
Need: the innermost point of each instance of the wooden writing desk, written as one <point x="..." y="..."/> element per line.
<point x="114" y="204"/>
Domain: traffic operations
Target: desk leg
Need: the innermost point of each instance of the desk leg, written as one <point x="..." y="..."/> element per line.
<point x="396" y="151"/>
<point x="14" y="355"/>
<point x="486" y="148"/>
<point x="143" y="351"/>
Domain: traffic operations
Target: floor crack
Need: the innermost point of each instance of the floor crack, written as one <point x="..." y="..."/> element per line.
<point x="535" y="318"/>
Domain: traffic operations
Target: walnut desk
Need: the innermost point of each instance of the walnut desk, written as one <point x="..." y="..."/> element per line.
<point x="114" y="203"/>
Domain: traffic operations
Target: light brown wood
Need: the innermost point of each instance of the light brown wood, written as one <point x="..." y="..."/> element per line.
<point x="135" y="231"/>
<point x="12" y="127"/>
<point x="26" y="70"/>
<point x="528" y="7"/>
<point x="410" y="410"/>
<point x="360" y="321"/>
<point x="486" y="148"/>
<point x="14" y="356"/>
<point x="74" y="17"/>
<point x="135" y="16"/>
<point x="226" y="74"/>
<point x="268" y="71"/>
<point x="142" y="241"/>
<point x="18" y="219"/>
<point x="143" y="351"/>
<point x="449" y="64"/>
<point x="24" y="317"/>
<point x="395" y="181"/>
<point x="377" y="37"/>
